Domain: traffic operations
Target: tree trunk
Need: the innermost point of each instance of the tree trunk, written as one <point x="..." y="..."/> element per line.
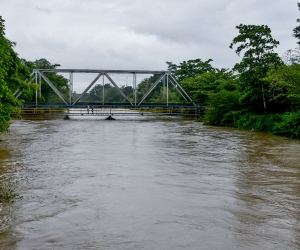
<point x="264" y="99"/>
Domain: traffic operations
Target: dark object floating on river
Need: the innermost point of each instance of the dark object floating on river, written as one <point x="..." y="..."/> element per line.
<point x="110" y="118"/>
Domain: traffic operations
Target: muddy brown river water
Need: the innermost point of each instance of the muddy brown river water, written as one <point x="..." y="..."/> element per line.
<point x="148" y="183"/>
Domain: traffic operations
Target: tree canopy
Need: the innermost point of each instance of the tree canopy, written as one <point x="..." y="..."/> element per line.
<point x="13" y="74"/>
<point x="60" y="82"/>
<point x="190" y="68"/>
<point x="296" y="30"/>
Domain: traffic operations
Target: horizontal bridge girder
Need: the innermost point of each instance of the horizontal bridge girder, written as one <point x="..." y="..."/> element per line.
<point x="102" y="71"/>
<point x="128" y="106"/>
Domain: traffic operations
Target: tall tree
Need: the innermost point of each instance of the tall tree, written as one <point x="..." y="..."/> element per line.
<point x="257" y="44"/>
<point x="296" y="31"/>
<point x="12" y="77"/>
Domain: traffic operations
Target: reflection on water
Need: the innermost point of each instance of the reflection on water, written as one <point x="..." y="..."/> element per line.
<point x="148" y="184"/>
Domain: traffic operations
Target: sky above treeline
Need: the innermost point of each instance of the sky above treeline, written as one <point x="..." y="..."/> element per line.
<point x="140" y="34"/>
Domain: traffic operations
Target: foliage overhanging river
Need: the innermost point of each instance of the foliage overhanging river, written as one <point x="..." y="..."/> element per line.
<point x="148" y="184"/>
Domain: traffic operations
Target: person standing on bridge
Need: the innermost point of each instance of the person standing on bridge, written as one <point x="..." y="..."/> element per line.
<point x="92" y="109"/>
<point x="88" y="109"/>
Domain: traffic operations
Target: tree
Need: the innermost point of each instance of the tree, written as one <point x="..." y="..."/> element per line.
<point x="190" y="68"/>
<point x="257" y="44"/>
<point x="143" y="87"/>
<point x="60" y="82"/>
<point x="285" y="86"/>
<point x="296" y="31"/>
<point x="223" y="106"/>
<point x="96" y="93"/>
<point x="12" y="77"/>
<point x="203" y="85"/>
<point x="113" y="95"/>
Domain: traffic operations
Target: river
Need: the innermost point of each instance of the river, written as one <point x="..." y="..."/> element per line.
<point x="148" y="183"/>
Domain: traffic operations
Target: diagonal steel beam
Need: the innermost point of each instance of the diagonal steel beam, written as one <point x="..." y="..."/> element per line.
<point x="53" y="87"/>
<point x="20" y="93"/>
<point x="178" y="89"/>
<point x="190" y="99"/>
<point x="16" y="92"/>
<point x="121" y="92"/>
<point x="87" y="89"/>
<point x="151" y="88"/>
<point x="176" y="86"/>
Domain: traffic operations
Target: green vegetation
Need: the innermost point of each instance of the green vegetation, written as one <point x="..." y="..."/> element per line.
<point x="261" y="93"/>
<point x="7" y="195"/>
<point x="9" y="69"/>
<point x="257" y="44"/>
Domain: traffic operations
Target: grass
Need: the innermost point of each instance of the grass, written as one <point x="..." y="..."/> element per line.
<point x="8" y="195"/>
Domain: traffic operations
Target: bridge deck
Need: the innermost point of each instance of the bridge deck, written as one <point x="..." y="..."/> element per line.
<point x="109" y="110"/>
<point x="112" y="105"/>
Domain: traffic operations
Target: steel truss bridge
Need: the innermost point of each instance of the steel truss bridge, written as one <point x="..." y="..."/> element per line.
<point x="131" y="107"/>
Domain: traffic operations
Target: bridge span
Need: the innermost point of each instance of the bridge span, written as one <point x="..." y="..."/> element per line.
<point x="163" y="76"/>
<point x="70" y="106"/>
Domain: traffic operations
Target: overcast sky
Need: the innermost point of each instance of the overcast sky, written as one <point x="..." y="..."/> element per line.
<point x="140" y="34"/>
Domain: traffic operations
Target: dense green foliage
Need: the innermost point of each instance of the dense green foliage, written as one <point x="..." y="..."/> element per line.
<point x="261" y="93"/>
<point x="189" y="69"/>
<point x="284" y="86"/>
<point x="12" y="77"/>
<point x="204" y="85"/>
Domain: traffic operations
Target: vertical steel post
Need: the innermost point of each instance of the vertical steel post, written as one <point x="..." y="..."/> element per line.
<point x="103" y="90"/>
<point x="164" y="88"/>
<point x="40" y="87"/>
<point x="71" y="87"/>
<point x="167" y="89"/>
<point x="134" y="86"/>
<point x="36" y="92"/>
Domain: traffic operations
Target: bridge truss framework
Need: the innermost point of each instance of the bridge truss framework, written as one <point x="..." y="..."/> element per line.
<point x="164" y="76"/>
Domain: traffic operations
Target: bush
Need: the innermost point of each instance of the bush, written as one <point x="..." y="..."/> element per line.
<point x="263" y="123"/>
<point x="222" y="107"/>
<point x="289" y="126"/>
